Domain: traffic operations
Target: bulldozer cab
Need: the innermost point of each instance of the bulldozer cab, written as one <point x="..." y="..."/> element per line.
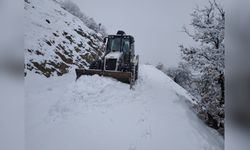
<point x="120" y="43"/>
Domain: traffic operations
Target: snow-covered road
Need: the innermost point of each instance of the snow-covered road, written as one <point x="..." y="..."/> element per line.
<point x="96" y="113"/>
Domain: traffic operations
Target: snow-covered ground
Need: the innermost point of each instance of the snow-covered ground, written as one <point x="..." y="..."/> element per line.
<point x="55" y="40"/>
<point x="99" y="113"/>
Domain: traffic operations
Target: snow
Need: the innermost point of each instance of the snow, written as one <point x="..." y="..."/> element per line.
<point x="45" y="21"/>
<point x="96" y="113"/>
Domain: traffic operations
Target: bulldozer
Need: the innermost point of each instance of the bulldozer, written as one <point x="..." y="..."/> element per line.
<point x="118" y="61"/>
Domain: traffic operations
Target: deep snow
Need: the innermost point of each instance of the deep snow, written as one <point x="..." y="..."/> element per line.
<point x="99" y="113"/>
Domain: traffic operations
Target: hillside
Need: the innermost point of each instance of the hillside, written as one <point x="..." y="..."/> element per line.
<point x="55" y="40"/>
<point x="97" y="113"/>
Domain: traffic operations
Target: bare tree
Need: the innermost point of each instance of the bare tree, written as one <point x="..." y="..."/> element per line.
<point x="208" y="26"/>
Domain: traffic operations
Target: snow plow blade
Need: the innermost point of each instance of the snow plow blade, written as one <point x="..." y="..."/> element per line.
<point x="124" y="77"/>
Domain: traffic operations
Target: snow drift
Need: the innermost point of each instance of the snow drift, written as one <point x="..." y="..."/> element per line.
<point x="96" y="113"/>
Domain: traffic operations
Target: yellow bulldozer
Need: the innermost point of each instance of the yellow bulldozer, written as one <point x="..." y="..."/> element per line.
<point x="119" y="60"/>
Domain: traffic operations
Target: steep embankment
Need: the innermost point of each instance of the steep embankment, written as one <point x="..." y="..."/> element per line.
<point x="97" y="113"/>
<point x="55" y="40"/>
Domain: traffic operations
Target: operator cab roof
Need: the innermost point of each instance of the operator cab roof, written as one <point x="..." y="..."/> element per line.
<point x="122" y="34"/>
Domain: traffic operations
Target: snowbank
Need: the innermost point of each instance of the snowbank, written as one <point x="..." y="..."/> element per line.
<point x="96" y="113"/>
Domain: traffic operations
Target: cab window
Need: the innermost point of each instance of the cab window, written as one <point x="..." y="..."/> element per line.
<point x="126" y="45"/>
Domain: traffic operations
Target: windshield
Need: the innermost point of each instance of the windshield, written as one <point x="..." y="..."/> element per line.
<point x="118" y="44"/>
<point x="114" y="44"/>
<point x="125" y="45"/>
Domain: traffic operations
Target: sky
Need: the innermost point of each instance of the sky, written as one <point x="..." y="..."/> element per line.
<point x="155" y="24"/>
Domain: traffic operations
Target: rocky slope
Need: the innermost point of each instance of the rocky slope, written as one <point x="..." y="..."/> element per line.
<point x="55" y="40"/>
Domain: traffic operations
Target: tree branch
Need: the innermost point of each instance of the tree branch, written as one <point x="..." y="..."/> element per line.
<point x="220" y="9"/>
<point x="187" y="32"/>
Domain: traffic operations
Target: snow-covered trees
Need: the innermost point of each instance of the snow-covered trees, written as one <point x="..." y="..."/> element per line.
<point x="179" y="75"/>
<point x="72" y="8"/>
<point x="160" y="66"/>
<point x="207" y="61"/>
<point x="89" y="22"/>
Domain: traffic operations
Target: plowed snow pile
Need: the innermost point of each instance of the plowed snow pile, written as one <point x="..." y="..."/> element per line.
<point x="98" y="113"/>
